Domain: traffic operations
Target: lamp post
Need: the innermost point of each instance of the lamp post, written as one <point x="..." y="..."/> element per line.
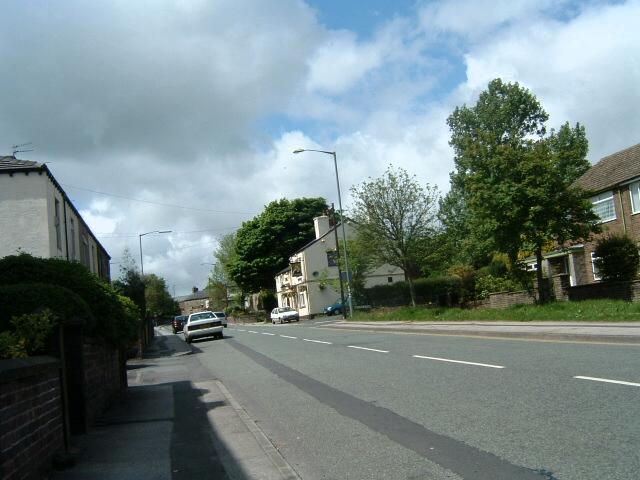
<point x="344" y="235"/>
<point x="140" y="240"/>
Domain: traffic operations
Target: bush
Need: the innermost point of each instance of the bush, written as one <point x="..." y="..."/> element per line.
<point x="16" y="300"/>
<point x="439" y="290"/>
<point x="29" y="336"/>
<point x="112" y="321"/>
<point x="617" y="258"/>
<point x="486" y="284"/>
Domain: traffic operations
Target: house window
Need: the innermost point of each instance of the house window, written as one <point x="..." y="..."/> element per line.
<point x="634" y="190"/>
<point x="73" y="239"/>
<point x="302" y="302"/>
<point x="604" y="207"/>
<point x="332" y="258"/>
<point x="594" y="269"/>
<point x="57" y="225"/>
<point x="389" y="279"/>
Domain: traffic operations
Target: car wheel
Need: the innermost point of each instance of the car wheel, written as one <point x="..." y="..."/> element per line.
<point x="187" y="339"/>
<point x="273" y="321"/>
<point x="175" y="331"/>
<point x="221" y="336"/>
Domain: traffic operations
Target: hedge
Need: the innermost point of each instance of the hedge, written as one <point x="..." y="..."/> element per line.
<point x="29" y="298"/>
<point x="112" y="319"/>
<point x="438" y="290"/>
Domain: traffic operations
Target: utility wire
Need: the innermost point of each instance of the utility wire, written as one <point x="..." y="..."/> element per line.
<point x="171" y="205"/>
<point x="120" y="235"/>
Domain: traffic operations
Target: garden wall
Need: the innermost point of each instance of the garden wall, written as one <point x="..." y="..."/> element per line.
<point x="31" y="419"/>
<point x="629" y="291"/>
<point x="509" y="299"/>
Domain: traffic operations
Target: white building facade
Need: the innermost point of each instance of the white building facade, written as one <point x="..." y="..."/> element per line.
<point x="309" y="283"/>
<point x="37" y="217"/>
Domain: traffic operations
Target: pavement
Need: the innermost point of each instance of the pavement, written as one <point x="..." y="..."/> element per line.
<point x="175" y="421"/>
<point x="626" y="333"/>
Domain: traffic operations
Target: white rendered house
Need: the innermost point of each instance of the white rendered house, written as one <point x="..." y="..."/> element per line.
<point x="37" y="217"/>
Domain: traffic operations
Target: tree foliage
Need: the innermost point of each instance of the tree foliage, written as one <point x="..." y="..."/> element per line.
<point x="264" y="244"/>
<point x="515" y="180"/>
<point x="617" y="258"/>
<point x="394" y="216"/>
<point x="158" y="300"/>
<point x="220" y="285"/>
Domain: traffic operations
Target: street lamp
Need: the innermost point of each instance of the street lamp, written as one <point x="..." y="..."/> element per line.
<point x="140" y="240"/>
<point x="344" y="235"/>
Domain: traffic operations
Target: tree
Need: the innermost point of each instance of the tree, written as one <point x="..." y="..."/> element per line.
<point x="517" y="181"/>
<point x="130" y="283"/>
<point x="264" y="244"/>
<point x="617" y="258"/>
<point x="394" y="215"/>
<point x="158" y="300"/>
<point x="220" y="285"/>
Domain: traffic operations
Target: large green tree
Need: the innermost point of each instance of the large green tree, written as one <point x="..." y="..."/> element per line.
<point x="395" y="216"/>
<point x="158" y="299"/>
<point x="220" y="285"/>
<point x="263" y="245"/>
<point x="516" y="180"/>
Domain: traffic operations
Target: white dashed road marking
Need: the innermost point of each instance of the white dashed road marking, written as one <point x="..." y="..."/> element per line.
<point x="267" y="333"/>
<point x="316" y="341"/>
<point x="606" y="380"/>
<point x="458" y="361"/>
<point x="252" y="331"/>
<point x="369" y="349"/>
<point x="289" y="336"/>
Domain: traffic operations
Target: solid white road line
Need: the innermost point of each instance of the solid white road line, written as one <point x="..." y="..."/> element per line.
<point x="369" y="349"/>
<point x="606" y="380"/>
<point x="289" y="336"/>
<point x="267" y="333"/>
<point x="459" y="361"/>
<point x="316" y="341"/>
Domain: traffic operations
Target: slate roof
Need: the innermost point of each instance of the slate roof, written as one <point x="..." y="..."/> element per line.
<point x="199" y="295"/>
<point x="612" y="170"/>
<point x="12" y="163"/>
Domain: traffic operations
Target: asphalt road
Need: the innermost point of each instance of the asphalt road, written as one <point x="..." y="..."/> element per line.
<point x="363" y="405"/>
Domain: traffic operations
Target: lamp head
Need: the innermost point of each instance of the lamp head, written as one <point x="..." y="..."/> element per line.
<point x="299" y="150"/>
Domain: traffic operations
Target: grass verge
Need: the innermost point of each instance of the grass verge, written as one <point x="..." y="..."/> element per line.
<point x="585" y="311"/>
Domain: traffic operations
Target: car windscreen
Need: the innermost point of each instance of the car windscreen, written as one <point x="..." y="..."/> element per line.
<point x="287" y="309"/>
<point x="219" y="314"/>
<point x="201" y="316"/>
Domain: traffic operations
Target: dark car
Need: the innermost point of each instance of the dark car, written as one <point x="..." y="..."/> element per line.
<point x="334" y="309"/>
<point x="178" y="322"/>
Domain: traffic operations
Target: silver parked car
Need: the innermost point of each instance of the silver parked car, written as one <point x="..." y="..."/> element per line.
<point x="284" y="314"/>
<point x="202" y="324"/>
<point x="222" y="316"/>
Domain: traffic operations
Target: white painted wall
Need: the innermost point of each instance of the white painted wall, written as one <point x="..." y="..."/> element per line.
<point x="24" y="212"/>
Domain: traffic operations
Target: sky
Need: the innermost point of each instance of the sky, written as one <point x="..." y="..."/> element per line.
<point x="182" y="115"/>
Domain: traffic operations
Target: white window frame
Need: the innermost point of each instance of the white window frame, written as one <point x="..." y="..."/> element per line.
<point x="302" y="300"/>
<point x="56" y="223"/>
<point x="634" y="188"/>
<point x="596" y="274"/>
<point x="601" y="199"/>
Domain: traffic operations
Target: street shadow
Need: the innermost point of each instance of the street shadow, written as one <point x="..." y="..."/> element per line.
<point x="137" y="366"/>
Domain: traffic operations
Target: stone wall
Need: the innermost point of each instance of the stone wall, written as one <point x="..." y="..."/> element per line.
<point x="31" y="420"/>
<point x="509" y="299"/>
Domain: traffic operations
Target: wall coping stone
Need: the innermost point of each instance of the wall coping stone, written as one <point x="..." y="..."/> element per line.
<point x="17" y="368"/>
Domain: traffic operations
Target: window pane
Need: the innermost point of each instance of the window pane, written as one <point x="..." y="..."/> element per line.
<point x="634" y="188"/>
<point x="604" y="207"/>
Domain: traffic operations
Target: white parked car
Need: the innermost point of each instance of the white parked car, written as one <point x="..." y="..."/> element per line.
<point x="202" y="324"/>
<point x="222" y="316"/>
<point x="284" y="314"/>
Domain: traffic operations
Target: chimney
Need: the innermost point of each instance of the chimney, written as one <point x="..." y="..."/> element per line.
<point x="321" y="224"/>
<point x="194" y="289"/>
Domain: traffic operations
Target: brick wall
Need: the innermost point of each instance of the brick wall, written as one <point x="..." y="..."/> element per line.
<point x="103" y="377"/>
<point x="31" y="422"/>
<point x="509" y="299"/>
<point x="614" y="290"/>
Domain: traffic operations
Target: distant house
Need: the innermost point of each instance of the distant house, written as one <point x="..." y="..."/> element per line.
<point x="306" y="284"/>
<point x="37" y="217"/>
<point x="196" y="301"/>
<point x="615" y="182"/>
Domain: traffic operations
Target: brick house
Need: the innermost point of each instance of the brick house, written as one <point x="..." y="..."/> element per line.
<point x="196" y="301"/>
<point x="615" y="183"/>
<point x="37" y="217"/>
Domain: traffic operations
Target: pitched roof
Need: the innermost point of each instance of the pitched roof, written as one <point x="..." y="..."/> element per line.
<point x="12" y="163"/>
<point x="612" y="170"/>
<point x="199" y="295"/>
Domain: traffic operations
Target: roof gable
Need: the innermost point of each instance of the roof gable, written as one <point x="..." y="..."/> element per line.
<point x="12" y="163"/>
<point x="612" y="170"/>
